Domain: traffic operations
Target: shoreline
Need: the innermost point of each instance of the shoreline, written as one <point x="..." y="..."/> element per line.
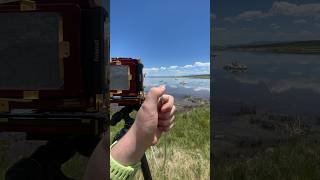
<point x="200" y="76"/>
<point x="246" y="134"/>
<point x="271" y="51"/>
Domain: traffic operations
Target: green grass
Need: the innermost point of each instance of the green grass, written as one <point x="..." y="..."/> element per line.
<point x="297" y="159"/>
<point x="75" y="167"/>
<point x="187" y="148"/>
<point x="187" y="152"/>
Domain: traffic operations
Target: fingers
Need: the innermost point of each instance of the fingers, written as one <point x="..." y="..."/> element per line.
<point x="157" y="136"/>
<point x="166" y="129"/>
<point x="153" y="96"/>
<point x="167" y="122"/>
<point x="162" y="129"/>
<point x="167" y="115"/>
<point x="167" y="103"/>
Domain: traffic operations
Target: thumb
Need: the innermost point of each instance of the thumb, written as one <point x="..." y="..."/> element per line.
<point x="153" y="96"/>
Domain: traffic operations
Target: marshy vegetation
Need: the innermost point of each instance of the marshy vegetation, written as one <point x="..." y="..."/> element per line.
<point x="298" y="158"/>
<point x="267" y="146"/>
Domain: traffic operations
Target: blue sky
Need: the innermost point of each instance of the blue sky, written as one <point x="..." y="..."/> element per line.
<point x="247" y="21"/>
<point x="170" y="36"/>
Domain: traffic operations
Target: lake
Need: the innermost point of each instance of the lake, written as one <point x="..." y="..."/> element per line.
<point x="276" y="83"/>
<point x="193" y="87"/>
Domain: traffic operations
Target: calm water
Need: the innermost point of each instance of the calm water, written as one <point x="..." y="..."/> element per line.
<point x="192" y="87"/>
<point x="278" y="83"/>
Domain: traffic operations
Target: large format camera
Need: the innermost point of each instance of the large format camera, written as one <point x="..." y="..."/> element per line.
<point x="55" y="74"/>
<point x="126" y="81"/>
<point x="54" y="57"/>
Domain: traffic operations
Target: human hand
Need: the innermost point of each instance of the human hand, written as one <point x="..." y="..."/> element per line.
<point x="155" y="116"/>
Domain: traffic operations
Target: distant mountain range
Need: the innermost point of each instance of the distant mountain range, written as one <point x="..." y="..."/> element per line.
<point x="298" y="47"/>
<point x="199" y="76"/>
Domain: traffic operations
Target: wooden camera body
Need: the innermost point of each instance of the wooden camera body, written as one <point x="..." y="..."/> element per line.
<point x="126" y="81"/>
<point x="54" y="57"/>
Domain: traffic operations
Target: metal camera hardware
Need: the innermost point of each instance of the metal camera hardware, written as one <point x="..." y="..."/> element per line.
<point x="53" y="66"/>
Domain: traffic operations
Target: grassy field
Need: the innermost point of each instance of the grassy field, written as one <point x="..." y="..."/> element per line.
<point x="74" y="168"/>
<point x="297" y="159"/>
<point x="187" y="148"/>
<point x="187" y="151"/>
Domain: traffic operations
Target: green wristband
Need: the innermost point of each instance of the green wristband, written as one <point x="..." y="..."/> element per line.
<point x="121" y="172"/>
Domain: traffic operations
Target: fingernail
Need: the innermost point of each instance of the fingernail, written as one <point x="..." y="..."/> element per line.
<point x="161" y="99"/>
<point x="163" y="86"/>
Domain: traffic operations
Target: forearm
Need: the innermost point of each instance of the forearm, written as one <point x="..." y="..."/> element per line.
<point x="97" y="164"/>
<point x="130" y="148"/>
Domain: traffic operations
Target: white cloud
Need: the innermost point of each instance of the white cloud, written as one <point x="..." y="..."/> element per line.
<point x="178" y="72"/>
<point x="285" y="85"/>
<point x="152" y="69"/>
<point x="274" y="26"/>
<point x="196" y="68"/>
<point x="250" y="15"/>
<point x="280" y="8"/>
<point x="173" y="67"/>
<point x="197" y="64"/>
<point x="290" y="9"/>
<point x="163" y="68"/>
<point x="300" y="21"/>
<point x="201" y="64"/>
<point x="148" y="70"/>
<point x="187" y="66"/>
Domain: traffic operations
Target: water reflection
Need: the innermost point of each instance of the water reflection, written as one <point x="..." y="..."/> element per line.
<point x="286" y="83"/>
<point x="181" y="87"/>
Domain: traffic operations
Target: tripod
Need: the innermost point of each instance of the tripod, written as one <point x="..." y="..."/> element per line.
<point x="124" y="114"/>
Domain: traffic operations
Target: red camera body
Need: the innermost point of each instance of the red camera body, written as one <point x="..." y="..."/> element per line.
<point x="126" y="81"/>
<point x="54" y="58"/>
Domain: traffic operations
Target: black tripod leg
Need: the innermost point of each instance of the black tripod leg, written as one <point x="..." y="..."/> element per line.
<point x="145" y="168"/>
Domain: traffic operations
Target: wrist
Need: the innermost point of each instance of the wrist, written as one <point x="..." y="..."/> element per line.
<point x="130" y="148"/>
<point x="143" y="135"/>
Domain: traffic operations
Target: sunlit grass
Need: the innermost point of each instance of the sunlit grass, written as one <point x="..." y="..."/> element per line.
<point x="75" y="167"/>
<point x="187" y="148"/>
<point x="296" y="159"/>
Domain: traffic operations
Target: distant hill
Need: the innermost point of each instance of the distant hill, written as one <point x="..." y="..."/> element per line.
<point x="297" y="47"/>
<point x="198" y="76"/>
